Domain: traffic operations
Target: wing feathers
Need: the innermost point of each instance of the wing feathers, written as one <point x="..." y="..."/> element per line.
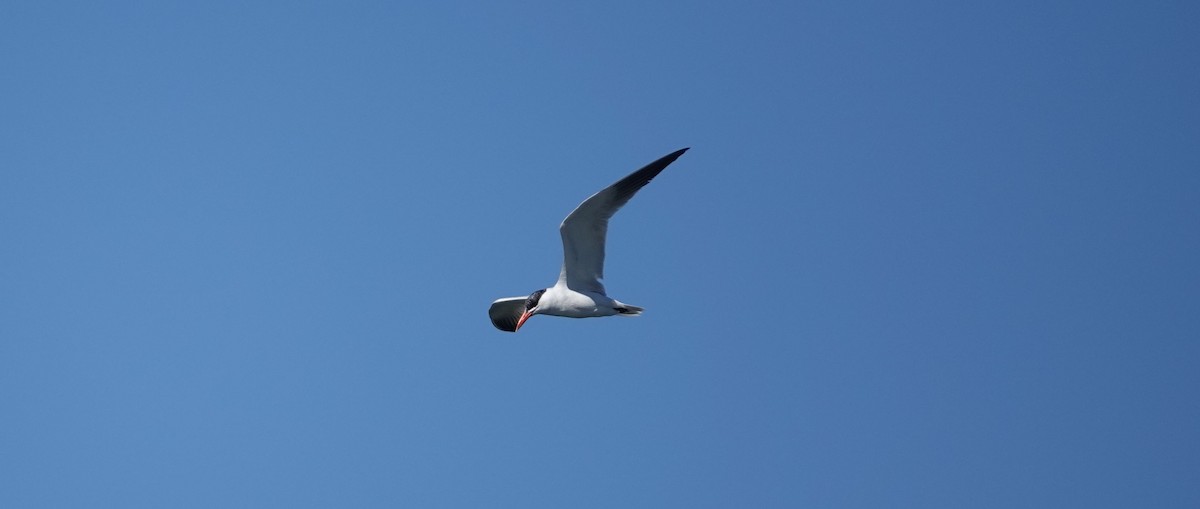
<point x="628" y="186"/>
<point x="505" y="313"/>
<point x="584" y="230"/>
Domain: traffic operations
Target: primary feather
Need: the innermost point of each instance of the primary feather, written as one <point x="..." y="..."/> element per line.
<point x="584" y="230"/>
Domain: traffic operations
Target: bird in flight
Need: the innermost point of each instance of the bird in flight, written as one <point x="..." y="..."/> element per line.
<point x="578" y="292"/>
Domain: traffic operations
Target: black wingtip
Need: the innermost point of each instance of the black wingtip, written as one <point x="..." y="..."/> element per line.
<point x="626" y="187"/>
<point x="505" y="324"/>
<point x="669" y="158"/>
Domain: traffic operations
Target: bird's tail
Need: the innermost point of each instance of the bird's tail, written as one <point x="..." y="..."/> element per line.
<point x="627" y="310"/>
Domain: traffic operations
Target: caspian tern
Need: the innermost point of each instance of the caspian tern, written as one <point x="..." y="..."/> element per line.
<point x="579" y="293"/>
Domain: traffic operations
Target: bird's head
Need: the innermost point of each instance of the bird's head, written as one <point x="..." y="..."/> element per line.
<point x="531" y="307"/>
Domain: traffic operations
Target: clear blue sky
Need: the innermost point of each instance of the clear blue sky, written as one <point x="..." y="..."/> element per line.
<point x="921" y="254"/>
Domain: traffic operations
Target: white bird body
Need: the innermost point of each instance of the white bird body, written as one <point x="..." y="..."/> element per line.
<point x="562" y="301"/>
<point x="579" y="292"/>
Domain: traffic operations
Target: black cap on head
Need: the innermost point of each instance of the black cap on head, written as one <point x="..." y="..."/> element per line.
<point x="533" y="299"/>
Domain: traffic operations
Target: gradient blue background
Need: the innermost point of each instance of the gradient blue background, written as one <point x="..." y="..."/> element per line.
<point x="921" y="254"/>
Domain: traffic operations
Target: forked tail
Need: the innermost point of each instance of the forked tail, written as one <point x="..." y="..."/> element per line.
<point x="627" y="310"/>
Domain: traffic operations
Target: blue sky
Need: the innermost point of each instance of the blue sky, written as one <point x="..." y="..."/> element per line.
<point x="926" y="254"/>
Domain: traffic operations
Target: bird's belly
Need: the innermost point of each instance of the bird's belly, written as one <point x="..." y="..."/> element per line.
<point x="580" y="305"/>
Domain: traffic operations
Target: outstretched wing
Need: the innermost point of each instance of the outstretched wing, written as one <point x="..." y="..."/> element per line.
<point x="505" y="313"/>
<point x="584" y="230"/>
